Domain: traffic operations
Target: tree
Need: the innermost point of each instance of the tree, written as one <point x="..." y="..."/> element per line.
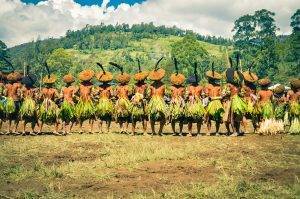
<point x="294" y="41"/>
<point x="244" y="28"/>
<point x="3" y="54"/>
<point x="187" y="51"/>
<point x="295" y="21"/>
<point x="3" y="49"/>
<point x="255" y="37"/>
<point x="265" y="23"/>
<point x="60" y="61"/>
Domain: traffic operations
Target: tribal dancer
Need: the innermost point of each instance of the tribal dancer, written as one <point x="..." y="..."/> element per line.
<point x="195" y="110"/>
<point x="235" y="107"/>
<point x="48" y="111"/>
<point x="265" y="100"/>
<point x="28" y="110"/>
<point x="67" y="108"/>
<point x="294" y="106"/>
<point x="249" y="89"/>
<point x="123" y="104"/>
<point x="213" y="91"/>
<point x="2" y="99"/>
<point x="138" y="111"/>
<point x="272" y="119"/>
<point x="13" y="100"/>
<point x="177" y="105"/>
<point x="84" y="109"/>
<point x="105" y="105"/>
<point x="280" y="102"/>
<point x="156" y="108"/>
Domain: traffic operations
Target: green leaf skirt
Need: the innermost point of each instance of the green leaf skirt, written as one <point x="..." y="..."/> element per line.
<point x="138" y="108"/>
<point x="48" y="112"/>
<point x="195" y="110"/>
<point x="157" y="109"/>
<point x="294" y="109"/>
<point x="28" y="109"/>
<point x="215" y="110"/>
<point x="104" y="109"/>
<point x="67" y="112"/>
<point x="84" y="110"/>
<point x="238" y="105"/>
<point x="177" y="110"/>
<point x="266" y="110"/>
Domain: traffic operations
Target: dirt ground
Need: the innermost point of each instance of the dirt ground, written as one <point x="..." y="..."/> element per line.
<point x="122" y="166"/>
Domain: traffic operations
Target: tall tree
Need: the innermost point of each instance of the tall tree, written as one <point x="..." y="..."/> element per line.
<point x="255" y="37"/>
<point x="3" y="54"/>
<point x="295" y="38"/>
<point x="265" y="23"/>
<point x="244" y="28"/>
<point x="295" y="21"/>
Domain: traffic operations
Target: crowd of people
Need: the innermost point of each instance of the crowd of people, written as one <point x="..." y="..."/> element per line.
<point x="184" y="102"/>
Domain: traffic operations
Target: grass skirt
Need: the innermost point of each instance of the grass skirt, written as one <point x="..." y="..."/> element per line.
<point x="67" y="112"/>
<point x="84" y="110"/>
<point x="294" y="110"/>
<point x="157" y="109"/>
<point x="266" y="110"/>
<point x="215" y="110"/>
<point x="295" y="127"/>
<point x="195" y="111"/>
<point x="177" y="110"/>
<point x="28" y="109"/>
<point x="122" y="109"/>
<point x="105" y="109"/>
<point x="138" y="112"/>
<point x="238" y="106"/>
<point x="10" y="107"/>
<point x="48" y="112"/>
<point x="2" y="108"/>
<point x="279" y="111"/>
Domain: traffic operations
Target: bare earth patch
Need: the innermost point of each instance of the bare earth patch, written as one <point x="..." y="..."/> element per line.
<point x="122" y="166"/>
<point x="158" y="176"/>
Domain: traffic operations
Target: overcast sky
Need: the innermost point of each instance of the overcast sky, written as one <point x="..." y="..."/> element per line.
<point x="21" y="21"/>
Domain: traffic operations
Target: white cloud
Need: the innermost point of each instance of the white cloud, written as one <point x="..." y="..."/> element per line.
<point x="20" y="22"/>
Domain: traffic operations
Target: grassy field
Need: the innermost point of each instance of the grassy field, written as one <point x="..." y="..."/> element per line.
<point x="122" y="166"/>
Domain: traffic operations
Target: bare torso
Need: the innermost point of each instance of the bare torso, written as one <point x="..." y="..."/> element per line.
<point x="177" y="92"/>
<point x="234" y="90"/>
<point x="157" y="89"/>
<point x="49" y="93"/>
<point x="68" y="93"/>
<point x="105" y="91"/>
<point x="140" y="88"/>
<point x="122" y="91"/>
<point x="85" y="91"/>
<point x="265" y="95"/>
<point x="29" y="92"/>
<point x="213" y="90"/>
<point x="13" y="91"/>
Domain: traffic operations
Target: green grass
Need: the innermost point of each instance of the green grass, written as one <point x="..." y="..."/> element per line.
<point x="143" y="48"/>
<point x="145" y="167"/>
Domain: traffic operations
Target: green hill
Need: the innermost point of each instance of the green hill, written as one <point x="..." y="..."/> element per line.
<point x="82" y="49"/>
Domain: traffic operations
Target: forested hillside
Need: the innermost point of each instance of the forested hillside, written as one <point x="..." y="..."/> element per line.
<point x="83" y="48"/>
<point x="254" y="39"/>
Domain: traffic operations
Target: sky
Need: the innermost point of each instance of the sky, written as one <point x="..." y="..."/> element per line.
<point x="23" y="21"/>
<point x="94" y="2"/>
